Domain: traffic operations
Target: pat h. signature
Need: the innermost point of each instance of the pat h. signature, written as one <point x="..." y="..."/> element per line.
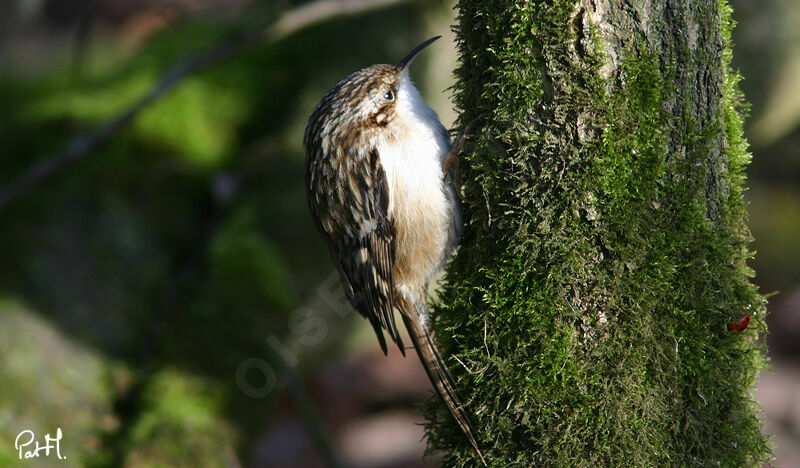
<point x="25" y="438"/>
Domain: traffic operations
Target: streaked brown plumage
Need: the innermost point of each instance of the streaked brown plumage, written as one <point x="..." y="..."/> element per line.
<point x="378" y="191"/>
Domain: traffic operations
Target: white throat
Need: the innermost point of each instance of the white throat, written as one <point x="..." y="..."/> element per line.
<point x="413" y="158"/>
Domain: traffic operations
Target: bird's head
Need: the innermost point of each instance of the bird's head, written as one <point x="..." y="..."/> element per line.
<point x="371" y="97"/>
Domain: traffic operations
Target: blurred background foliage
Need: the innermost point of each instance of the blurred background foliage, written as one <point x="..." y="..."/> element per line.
<point x="135" y="283"/>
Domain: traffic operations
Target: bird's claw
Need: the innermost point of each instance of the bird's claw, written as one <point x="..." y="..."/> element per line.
<point x="451" y="158"/>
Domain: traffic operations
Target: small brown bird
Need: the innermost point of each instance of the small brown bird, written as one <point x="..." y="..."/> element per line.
<point x="379" y="188"/>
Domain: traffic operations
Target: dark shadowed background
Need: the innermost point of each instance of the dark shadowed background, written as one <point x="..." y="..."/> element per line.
<point x="164" y="298"/>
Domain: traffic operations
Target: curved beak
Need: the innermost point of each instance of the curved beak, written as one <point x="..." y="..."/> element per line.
<point x="406" y="61"/>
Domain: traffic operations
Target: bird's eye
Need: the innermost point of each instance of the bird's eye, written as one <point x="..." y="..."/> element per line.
<point x="388" y="95"/>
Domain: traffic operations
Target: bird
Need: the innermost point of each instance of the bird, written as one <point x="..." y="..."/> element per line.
<point x="380" y="172"/>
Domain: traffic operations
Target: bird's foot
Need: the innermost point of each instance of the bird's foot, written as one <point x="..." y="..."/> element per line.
<point x="451" y="158"/>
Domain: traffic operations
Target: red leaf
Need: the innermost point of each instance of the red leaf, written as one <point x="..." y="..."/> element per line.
<point x="740" y="324"/>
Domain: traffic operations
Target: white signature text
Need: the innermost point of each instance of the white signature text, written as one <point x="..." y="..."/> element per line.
<point x="26" y="438"/>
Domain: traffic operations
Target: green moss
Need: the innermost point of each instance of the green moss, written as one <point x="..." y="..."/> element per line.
<point x="180" y="425"/>
<point x="49" y="381"/>
<point x="605" y="245"/>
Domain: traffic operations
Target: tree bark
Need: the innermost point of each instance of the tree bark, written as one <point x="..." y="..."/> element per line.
<point x="605" y="242"/>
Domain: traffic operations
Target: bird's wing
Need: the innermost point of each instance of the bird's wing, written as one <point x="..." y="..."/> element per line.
<point x="362" y="239"/>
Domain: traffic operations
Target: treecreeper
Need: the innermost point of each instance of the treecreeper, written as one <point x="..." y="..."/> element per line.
<point x="382" y="193"/>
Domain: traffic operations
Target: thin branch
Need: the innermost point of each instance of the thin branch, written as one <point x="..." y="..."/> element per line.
<point x="288" y="23"/>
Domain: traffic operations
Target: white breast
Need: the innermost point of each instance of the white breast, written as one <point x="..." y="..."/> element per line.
<point x="420" y="204"/>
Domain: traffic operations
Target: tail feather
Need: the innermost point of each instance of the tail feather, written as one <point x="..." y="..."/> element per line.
<point x="440" y="377"/>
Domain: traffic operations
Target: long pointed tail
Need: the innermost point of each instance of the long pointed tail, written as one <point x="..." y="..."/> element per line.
<point x="440" y="377"/>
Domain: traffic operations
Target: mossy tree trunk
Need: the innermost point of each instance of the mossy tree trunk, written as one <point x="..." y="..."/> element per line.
<point x="605" y="240"/>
